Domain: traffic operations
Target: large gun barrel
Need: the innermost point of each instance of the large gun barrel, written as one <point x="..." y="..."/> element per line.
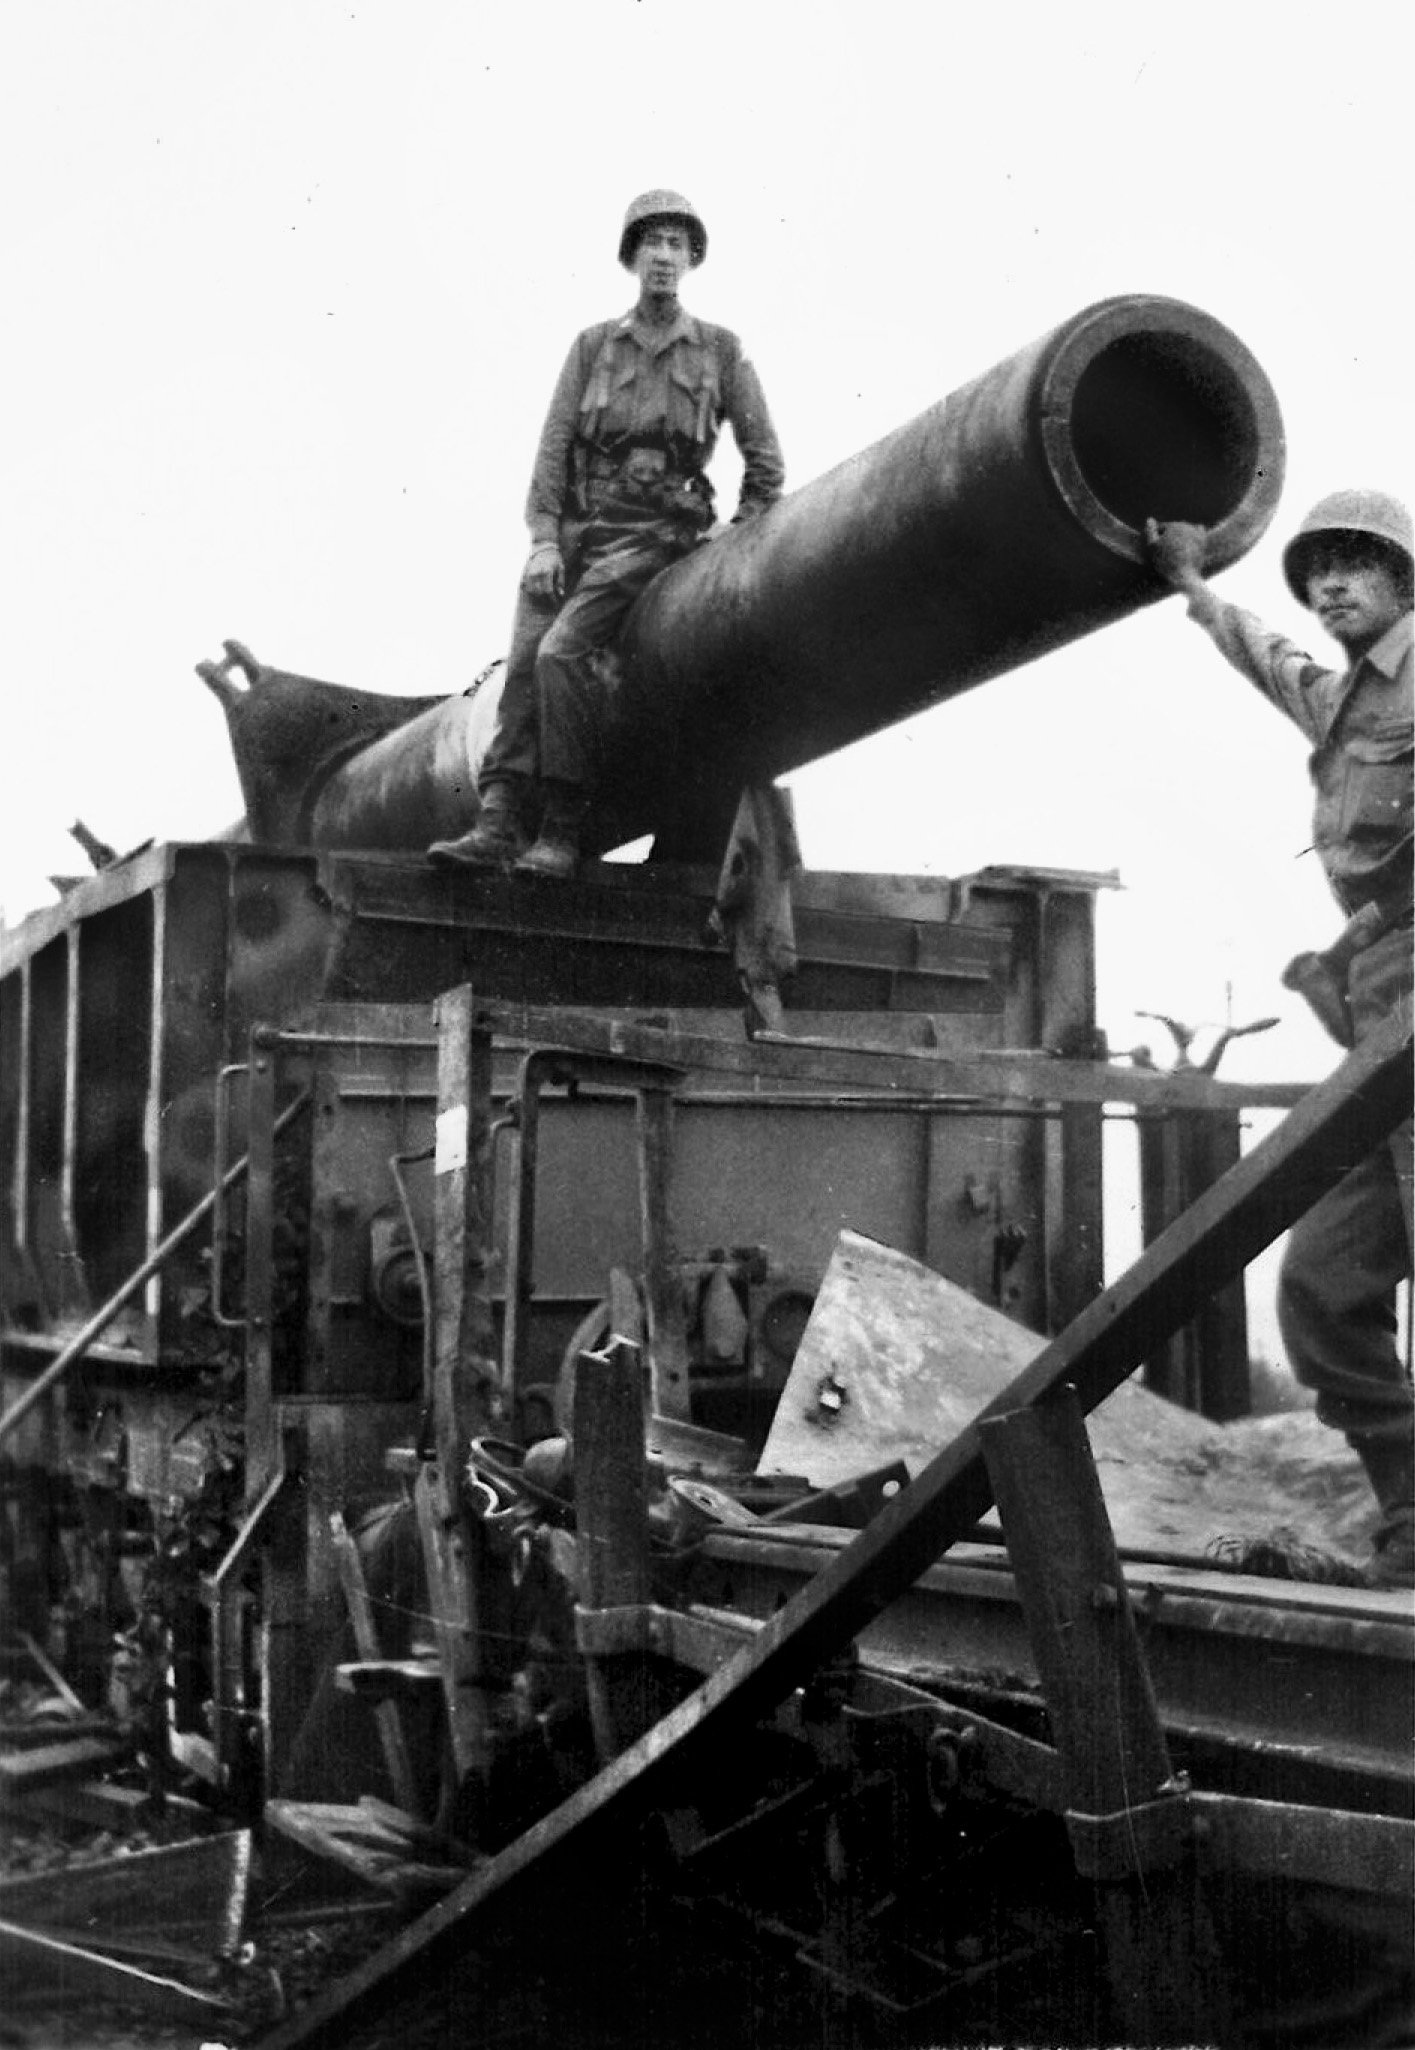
<point x="1001" y="524"/>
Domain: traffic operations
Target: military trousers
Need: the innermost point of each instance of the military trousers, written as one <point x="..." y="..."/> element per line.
<point x="1348" y="1255"/>
<point x="554" y="706"/>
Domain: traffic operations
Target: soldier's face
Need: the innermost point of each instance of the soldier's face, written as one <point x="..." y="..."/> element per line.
<point x="1354" y="594"/>
<point x="663" y="255"/>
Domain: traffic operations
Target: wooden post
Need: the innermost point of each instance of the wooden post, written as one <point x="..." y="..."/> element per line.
<point x="464" y="1396"/>
<point x="1205" y="1364"/>
<point x="1075" y="1246"/>
<point x="611" y="1512"/>
<point x="464" y="1399"/>
<point x="453" y="1599"/>
<point x="1122" y="1798"/>
<point x="387" y="1714"/>
<point x="1214" y="1145"/>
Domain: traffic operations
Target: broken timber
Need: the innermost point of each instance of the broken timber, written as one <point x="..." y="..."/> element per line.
<point x="188" y="1896"/>
<point x="1345" y="1116"/>
<point x="1163" y="1962"/>
<point x="33" y="1953"/>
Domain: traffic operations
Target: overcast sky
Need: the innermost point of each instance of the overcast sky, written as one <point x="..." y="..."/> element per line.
<point x="289" y="282"/>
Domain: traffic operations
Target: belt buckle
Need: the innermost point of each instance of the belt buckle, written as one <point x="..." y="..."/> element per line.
<point x="645" y="465"/>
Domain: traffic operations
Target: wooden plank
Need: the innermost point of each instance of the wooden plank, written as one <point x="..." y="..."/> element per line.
<point x="611" y="1529"/>
<point x="65" y="1729"/>
<point x="1354" y="1109"/>
<point x="21" y="1771"/>
<point x="98" y="1804"/>
<point x="30" y="1954"/>
<point x="372" y="1844"/>
<point x="464" y="1342"/>
<point x="195" y="1891"/>
<point x="464" y="1370"/>
<point x="386" y="1712"/>
<point x="52" y="1674"/>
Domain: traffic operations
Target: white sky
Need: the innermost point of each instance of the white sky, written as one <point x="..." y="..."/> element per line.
<point x="288" y="283"/>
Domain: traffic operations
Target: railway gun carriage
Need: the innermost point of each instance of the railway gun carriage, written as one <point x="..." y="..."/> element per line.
<point x="552" y="1356"/>
<point x="149" y="1013"/>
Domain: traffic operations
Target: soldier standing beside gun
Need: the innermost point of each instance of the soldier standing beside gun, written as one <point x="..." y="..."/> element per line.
<point x="619" y="491"/>
<point x="1352" y="563"/>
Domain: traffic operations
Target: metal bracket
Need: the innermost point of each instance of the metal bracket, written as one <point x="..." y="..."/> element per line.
<point x="1150" y="1837"/>
<point x="686" y="1640"/>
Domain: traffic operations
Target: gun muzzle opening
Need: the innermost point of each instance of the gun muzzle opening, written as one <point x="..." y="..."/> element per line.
<point x="1162" y="413"/>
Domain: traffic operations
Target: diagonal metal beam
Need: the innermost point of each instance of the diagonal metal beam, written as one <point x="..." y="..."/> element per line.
<point x="1343" y="1117"/>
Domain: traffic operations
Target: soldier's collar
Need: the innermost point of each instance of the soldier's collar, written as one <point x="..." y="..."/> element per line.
<point x="684" y="328"/>
<point x="1393" y="646"/>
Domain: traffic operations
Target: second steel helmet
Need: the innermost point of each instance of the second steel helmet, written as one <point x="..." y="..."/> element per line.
<point x="1373" y="515"/>
<point x="661" y="205"/>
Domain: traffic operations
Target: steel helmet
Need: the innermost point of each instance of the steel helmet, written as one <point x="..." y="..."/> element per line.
<point x="661" y="205"/>
<point x="1372" y="514"/>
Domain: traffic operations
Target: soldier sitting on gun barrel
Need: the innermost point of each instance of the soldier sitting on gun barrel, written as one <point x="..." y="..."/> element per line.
<point x="619" y="491"/>
<point x="1352" y="562"/>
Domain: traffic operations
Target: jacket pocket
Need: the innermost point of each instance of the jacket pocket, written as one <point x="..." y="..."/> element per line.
<point x="694" y="399"/>
<point x="1376" y="789"/>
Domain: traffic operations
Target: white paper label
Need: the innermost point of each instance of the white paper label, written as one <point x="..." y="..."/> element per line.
<point x="451" y="1140"/>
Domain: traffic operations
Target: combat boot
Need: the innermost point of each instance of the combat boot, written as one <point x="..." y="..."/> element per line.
<point x="495" y="840"/>
<point x="1390" y="1468"/>
<point x="556" y="853"/>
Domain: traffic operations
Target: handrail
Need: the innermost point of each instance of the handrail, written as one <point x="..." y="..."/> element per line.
<point x="218" y="1211"/>
<point x="140" y="1276"/>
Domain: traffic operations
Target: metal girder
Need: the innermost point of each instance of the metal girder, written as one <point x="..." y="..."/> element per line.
<point x="1025" y="1076"/>
<point x="1372" y="1854"/>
